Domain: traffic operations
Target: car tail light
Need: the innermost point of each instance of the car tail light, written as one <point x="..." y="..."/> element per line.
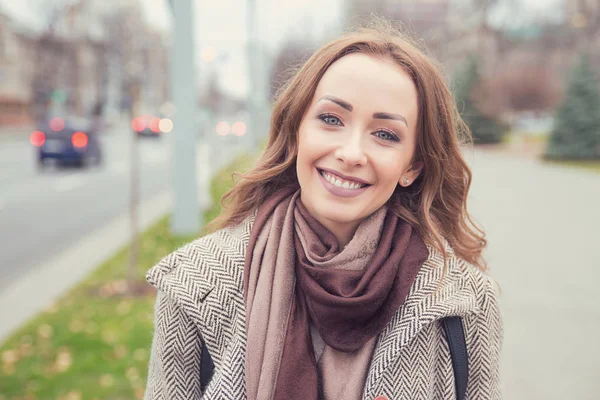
<point x="57" y="124"/>
<point x="138" y="124"/>
<point x="79" y="140"/>
<point x="37" y="138"/>
<point x="154" y="125"/>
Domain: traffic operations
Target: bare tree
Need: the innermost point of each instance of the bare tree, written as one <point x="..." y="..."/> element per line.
<point x="293" y="53"/>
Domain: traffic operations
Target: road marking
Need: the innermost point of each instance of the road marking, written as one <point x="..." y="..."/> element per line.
<point x="2" y="204"/>
<point x="68" y="183"/>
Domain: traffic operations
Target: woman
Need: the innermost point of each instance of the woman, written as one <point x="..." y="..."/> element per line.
<point x="339" y="254"/>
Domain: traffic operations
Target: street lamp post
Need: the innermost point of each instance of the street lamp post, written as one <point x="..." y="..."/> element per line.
<point x="186" y="214"/>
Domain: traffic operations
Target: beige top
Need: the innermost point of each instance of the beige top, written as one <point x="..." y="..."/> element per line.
<point x="342" y="375"/>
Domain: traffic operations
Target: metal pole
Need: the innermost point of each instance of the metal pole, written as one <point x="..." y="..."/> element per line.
<point x="186" y="218"/>
<point x="254" y="75"/>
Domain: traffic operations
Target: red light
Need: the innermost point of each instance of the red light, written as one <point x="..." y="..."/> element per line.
<point x="37" y="138"/>
<point x="57" y="124"/>
<point x="154" y="125"/>
<point x="79" y="140"/>
<point x="138" y="124"/>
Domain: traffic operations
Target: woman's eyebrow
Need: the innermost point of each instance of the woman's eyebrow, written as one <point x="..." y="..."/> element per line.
<point x="382" y="115"/>
<point x="378" y="115"/>
<point x="338" y="101"/>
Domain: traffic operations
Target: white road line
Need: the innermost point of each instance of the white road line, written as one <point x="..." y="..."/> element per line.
<point x="68" y="183"/>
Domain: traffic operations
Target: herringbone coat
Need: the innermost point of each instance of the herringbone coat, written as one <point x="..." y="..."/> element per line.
<point x="200" y="297"/>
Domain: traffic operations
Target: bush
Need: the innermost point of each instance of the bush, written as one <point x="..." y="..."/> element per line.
<point x="576" y="133"/>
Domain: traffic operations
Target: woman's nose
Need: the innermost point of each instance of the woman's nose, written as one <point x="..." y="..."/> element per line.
<point x="351" y="151"/>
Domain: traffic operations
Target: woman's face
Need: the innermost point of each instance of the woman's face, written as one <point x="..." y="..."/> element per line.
<point x="356" y="141"/>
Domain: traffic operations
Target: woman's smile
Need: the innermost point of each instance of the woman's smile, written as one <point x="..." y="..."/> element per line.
<point x="338" y="186"/>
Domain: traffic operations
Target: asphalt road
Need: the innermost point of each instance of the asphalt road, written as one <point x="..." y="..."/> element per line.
<point x="43" y="212"/>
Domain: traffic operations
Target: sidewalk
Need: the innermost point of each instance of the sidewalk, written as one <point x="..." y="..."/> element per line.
<point x="17" y="133"/>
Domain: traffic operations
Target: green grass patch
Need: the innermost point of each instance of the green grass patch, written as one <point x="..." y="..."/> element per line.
<point x="592" y="165"/>
<point x="94" y="343"/>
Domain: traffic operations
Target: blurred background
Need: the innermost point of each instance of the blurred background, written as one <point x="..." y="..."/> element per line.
<point x="122" y="121"/>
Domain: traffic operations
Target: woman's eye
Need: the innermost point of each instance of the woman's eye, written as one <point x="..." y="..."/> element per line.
<point x="330" y="119"/>
<point x="385" y="135"/>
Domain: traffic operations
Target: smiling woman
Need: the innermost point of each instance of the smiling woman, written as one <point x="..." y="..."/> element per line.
<point x="342" y="258"/>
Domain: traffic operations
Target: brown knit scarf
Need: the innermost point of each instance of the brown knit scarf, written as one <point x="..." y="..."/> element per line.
<point x="296" y="275"/>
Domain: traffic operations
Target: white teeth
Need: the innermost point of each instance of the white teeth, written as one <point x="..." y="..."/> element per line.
<point x="339" y="183"/>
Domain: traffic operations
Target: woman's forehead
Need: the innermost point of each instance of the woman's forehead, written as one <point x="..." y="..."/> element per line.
<point x="367" y="81"/>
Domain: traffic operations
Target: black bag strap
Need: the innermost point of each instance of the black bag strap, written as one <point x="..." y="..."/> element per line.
<point x="456" y="342"/>
<point x="206" y="367"/>
<point x="455" y="335"/>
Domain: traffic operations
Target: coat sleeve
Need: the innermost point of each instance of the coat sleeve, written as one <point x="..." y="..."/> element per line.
<point x="174" y="368"/>
<point x="484" y="332"/>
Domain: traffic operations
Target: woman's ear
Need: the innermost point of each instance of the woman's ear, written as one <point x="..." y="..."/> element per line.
<point x="411" y="174"/>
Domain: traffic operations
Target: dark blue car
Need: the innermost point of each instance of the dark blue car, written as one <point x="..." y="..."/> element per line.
<point x="73" y="142"/>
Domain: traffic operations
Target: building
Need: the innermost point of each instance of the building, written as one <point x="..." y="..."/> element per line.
<point x="86" y="62"/>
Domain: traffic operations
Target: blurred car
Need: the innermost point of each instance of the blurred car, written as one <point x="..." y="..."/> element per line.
<point x="67" y="141"/>
<point x="147" y="125"/>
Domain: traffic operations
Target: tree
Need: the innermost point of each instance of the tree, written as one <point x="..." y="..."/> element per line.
<point x="576" y="134"/>
<point x="470" y="93"/>
<point x="520" y="87"/>
<point x="293" y="53"/>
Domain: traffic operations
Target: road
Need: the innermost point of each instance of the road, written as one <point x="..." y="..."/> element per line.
<point x="543" y="228"/>
<point x="44" y="212"/>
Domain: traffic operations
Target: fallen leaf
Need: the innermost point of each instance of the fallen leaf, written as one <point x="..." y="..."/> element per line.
<point x="106" y="380"/>
<point x="120" y="351"/>
<point x="10" y="356"/>
<point x="109" y="337"/>
<point x="140" y="354"/>
<point x="63" y="360"/>
<point x="45" y="331"/>
<point x="52" y="308"/>
<point x="9" y="369"/>
<point x="76" y="326"/>
<point x="132" y="374"/>
<point x="25" y="349"/>
<point x="73" y="396"/>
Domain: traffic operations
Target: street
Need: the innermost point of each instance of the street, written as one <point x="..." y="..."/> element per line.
<point x="43" y="212"/>
<point x="542" y="224"/>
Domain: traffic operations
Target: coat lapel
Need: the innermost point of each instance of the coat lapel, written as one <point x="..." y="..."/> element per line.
<point x="433" y="296"/>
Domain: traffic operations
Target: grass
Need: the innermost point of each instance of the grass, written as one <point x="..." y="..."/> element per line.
<point x="94" y="342"/>
<point x="537" y="144"/>
<point x="592" y="165"/>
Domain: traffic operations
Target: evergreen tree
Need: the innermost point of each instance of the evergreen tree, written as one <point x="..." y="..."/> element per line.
<point x="576" y="133"/>
<point x="485" y="130"/>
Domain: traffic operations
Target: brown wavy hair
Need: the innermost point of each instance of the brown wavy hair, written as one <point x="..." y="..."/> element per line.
<point x="436" y="203"/>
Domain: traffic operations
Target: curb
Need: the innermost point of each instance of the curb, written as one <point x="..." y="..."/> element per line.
<point x="26" y="297"/>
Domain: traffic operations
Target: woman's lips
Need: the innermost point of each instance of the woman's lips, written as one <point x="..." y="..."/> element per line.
<point x="339" y="191"/>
